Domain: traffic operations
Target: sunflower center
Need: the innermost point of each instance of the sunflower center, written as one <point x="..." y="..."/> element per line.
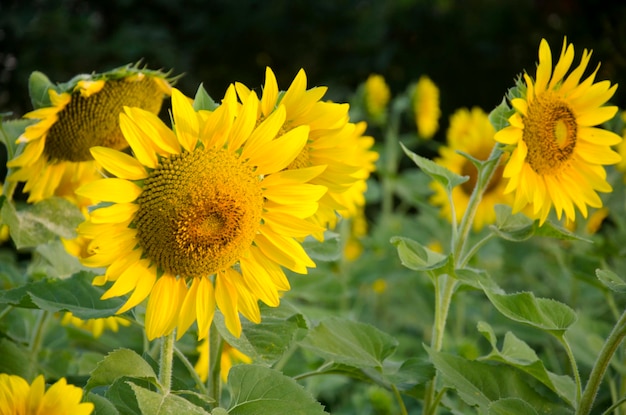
<point x="550" y="132"/>
<point x="198" y="212"/>
<point x="93" y="121"/>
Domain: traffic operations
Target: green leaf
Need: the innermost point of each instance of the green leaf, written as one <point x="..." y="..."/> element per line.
<point x="54" y="261"/>
<point x="219" y="411"/>
<point x="440" y="174"/>
<point x="38" y="87"/>
<point x="102" y="406"/>
<point x="499" y="116"/>
<point x="31" y="225"/>
<point x="123" y="397"/>
<point x="328" y="250"/>
<point x="258" y="390"/>
<point x="480" y="384"/>
<point x="519" y="227"/>
<point x="518" y="354"/>
<point x="74" y="294"/>
<point x="117" y="364"/>
<point x="203" y="101"/>
<point x="543" y="313"/>
<point x="269" y="340"/>
<point x="476" y="278"/>
<point x="10" y="130"/>
<point x="154" y="403"/>
<point x="611" y="280"/>
<point x="349" y="342"/>
<point x="511" y="406"/>
<point x="15" y="359"/>
<point x="417" y="257"/>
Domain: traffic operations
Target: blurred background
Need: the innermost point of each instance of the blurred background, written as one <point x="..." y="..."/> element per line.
<point x="472" y="49"/>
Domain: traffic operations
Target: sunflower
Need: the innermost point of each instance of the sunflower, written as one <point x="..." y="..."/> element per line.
<point x="18" y="397"/>
<point x="470" y="132"/>
<point x="558" y="153"/>
<point x="95" y="326"/>
<point x="55" y="159"/>
<point x="377" y="95"/>
<point x="333" y="142"/>
<point x="426" y="107"/>
<point x="203" y="215"/>
<point x="229" y="356"/>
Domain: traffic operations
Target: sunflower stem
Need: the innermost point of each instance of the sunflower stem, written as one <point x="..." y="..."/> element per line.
<point x="572" y="360"/>
<point x="601" y="364"/>
<point x="37" y="338"/>
<point x="166" y="362"/>
<point x="216" y="344"/>
<point x="180" y="355"/>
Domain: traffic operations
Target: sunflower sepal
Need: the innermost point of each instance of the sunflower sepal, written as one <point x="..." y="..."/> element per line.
<point x="499" y="116"/>
<point x="203" y="101"/>
<point x="38" y="86"/>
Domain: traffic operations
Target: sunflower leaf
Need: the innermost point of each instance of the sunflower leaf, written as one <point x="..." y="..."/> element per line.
<point x="440" y="174"/>
<point x="155" y="403"/>
<point x="10" y="130"/>
<point x="417" y="257"/>
<point x="74" y="294"/>
<point x="611" y="280"/>
<point x="511" y="406"/>
<point x="31" y="225"/>
<point x="543" y="313"/>
<point x="117" y="364"/>
<point x="258" y="390"/>
<point x="349" y="342"/>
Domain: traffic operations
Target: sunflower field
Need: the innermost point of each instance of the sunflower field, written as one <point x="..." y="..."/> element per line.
<point x="422" y="212"/>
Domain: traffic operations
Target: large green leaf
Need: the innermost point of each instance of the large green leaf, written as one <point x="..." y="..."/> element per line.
<point x="441" y="174"/>
<point x="611" y="280"/>
<point x="154" y="403"/>
<point x="542" y="313"/>
<point x="31" y="225"/>
<point x="269" y="340"/>
<point x="349" y="342"/>
<point x="511" y="406"/>
<point x="258" y="390"/>
<point x="102" y="406"/>
<point x="75" y="294"/>
<point x="480" y="384"/>
<point x="10" y="130"/>
<point x="520" y="355"/>
<point x="117" y="364"/>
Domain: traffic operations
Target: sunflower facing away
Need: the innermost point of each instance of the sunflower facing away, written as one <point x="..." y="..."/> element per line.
<point x="472" y="133"/>
<point x="333" y="142"/>
<point x="82" y="113"/>
<point x="95" y="326"/>
<point x="203" y="215"/>
<point x="558" y="152"/>
<point x="17" y="397"/>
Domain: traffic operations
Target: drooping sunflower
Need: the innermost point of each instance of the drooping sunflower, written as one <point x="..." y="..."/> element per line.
<point x="18" y="397"/>
<point x="78" y="115"/>
<point x="203" y="215"/>
<point x="333" y="142"/>
<point x="559" y="153"/>
<point x="472" y="133"/>
<point x="426" y="107"/>
<point x="95" y="326"/>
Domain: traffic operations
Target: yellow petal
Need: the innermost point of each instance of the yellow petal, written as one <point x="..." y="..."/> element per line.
<point x="187" y="314"/>
<point x="164" y="305"/>
<point x="205" y="305"/>
<point x="120" y="164"/>
<point x="142" y="146"/>
<point x="185" y="120"/>
<point x="110" y="190"/>
<point x="144" y="285"/>
<point x="226" y="299"/>
<point x="270" y="93"/>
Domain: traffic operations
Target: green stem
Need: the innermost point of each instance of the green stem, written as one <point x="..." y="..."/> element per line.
<point x="216" y="345"/>
<point x="37" y="338"/>
<point x="601" y="364"/>
<point x="615" y="406"/>
<point x="396" y="393"/>
<point x="475" y="249"/>
<point x="166" y="362"/>
<point x="574" y="365"/>
<point x="192" y="371"/>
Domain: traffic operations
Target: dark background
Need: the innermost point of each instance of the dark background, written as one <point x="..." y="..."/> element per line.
<point x="473" y="49"/>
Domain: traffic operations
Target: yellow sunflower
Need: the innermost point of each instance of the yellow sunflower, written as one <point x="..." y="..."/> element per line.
<point x="472" y="133"/>
<point x="17" y="397"/>
<point x="203" y="215"/>
<point x="377" y="95"/>
<point x="82" y="113"/>
<point x="229" y="356"/>
<point x="333" y="143"/>
<point x="621" y="148"/>
<point x="426" y="107"/>
<point x="95" y="326"/>
<point x="558" y="153"/>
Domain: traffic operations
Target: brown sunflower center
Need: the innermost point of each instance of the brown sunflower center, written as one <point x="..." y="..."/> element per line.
<point x="93" y="121"/>
<point x="550" y="132"/>
<point x="198" y="212"/>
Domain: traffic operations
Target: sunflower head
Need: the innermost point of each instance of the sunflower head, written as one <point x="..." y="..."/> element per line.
<point x="426" y="107"/>
<point x="377" y="95"/>
<point x="470" y="132"/>
<point x="201" y="216"/>
<point x="558" y="152"/>
<point x="95" y="326"/>
<point x="73" y="117"/>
